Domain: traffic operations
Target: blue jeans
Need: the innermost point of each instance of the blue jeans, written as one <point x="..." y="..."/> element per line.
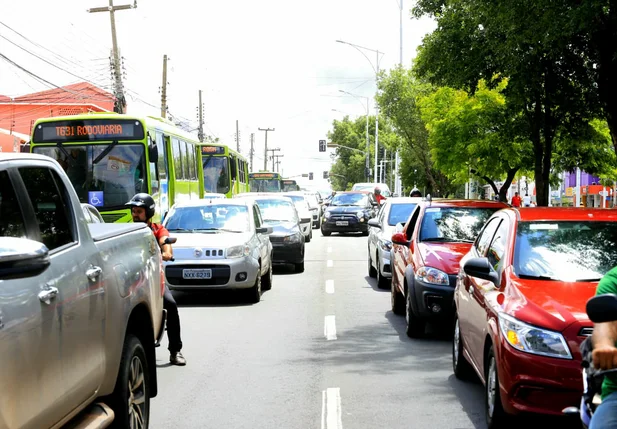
<point x="605" y="416"/>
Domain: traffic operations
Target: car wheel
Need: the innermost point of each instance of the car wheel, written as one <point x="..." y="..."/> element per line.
<point x="299" y="268"/>
<point x="462" y="368"/>
<point x="495" y="414"/>
<point x="325" y="233"/>
<point x="415" y="325"/>
<point x="365" y="233"/>
<point x="266" y="281"/>
<point x="382" y="282"/>
<point x="397" y="300"/>
<point x="372" y="272"/>
<point x="254" y="293"/>
<point x="131" y="398"/>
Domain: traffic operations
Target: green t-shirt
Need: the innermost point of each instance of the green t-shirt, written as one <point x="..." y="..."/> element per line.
<point x="608" y="284"/>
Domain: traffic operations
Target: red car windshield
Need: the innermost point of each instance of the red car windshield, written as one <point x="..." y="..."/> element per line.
<point x="454" y="224"/>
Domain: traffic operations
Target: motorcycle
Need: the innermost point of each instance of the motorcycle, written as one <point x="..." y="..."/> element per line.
<point x="600" y="309"/>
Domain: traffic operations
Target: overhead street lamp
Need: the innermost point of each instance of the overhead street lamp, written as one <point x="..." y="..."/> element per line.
<point x="367" y="166"/>
<point x="346" y="147"/>
<point x="376" y="70"/>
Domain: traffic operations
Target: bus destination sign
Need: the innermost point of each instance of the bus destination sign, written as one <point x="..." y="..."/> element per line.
<point x="213" y="150"/>
<point x="263" y="175"/>
<point x="88" y="130"/>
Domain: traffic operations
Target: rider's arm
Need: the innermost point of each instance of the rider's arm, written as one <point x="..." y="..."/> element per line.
<point x="166" y="250"/>
<point x="605" y="334"/>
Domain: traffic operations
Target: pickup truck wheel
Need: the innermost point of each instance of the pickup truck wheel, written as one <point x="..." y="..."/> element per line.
<point x="131" y="398"/>
<point x="254" y="293"/>
<point x="266" y="281"/>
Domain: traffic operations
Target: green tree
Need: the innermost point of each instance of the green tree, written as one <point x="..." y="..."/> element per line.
<point x="492" y="40"/>
<point x="398" y="100"/>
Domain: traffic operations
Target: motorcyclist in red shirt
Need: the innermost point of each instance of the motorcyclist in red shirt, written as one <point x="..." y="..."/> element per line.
<point x="378" y="196"/>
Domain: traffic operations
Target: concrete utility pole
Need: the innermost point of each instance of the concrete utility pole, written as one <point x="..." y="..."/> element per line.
<point x="277" y="161"/>
<point x="201" y="119"/>
<point x="252" y="150"/>
<point x="272" y="150"/>
<point x="237" y="137"/>
<point x="266" y="146"/>
<point x="164" y="89"/>
<point x="120" y="103"/>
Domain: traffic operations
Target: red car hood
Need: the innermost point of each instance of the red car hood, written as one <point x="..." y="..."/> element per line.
<point x="551" y="304"/>
<point x="443" y="256"/>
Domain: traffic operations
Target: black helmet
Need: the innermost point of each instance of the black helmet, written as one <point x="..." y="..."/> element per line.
<point x="143" y="200"/>
<point x="377" y="191"/>
<point x="415" y="192"/>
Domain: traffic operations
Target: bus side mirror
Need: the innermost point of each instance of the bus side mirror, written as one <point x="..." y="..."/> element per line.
<point x="153" y="153"/>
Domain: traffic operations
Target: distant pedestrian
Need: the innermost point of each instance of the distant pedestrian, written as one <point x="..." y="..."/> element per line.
<point x="516" y="200"/>
<point x="526" y="200"/>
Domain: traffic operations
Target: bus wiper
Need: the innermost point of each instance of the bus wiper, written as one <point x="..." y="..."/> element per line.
<point x="105" y="152"/>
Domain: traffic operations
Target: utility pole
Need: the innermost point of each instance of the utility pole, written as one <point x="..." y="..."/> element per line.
<point x="237" y="137"/>
<point x="120" y="102"/>
<point x="252" y="150"/>
<point x="201" y="119"/>
<point x="266" y="146"/>
<point x="277" y="161"/>
<point x="164" y="89"/>
<point x="272" y="150"/>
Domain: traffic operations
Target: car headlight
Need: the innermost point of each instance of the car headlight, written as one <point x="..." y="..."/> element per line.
<point x="534" y="340"/>
<point x="386" y="245"/>
<point x="360" y="214"/>
<point x="432" y="276"/>
<point x="238" y="251"/>
<point x="326" y="215"/>
<point x="295" y="238"/>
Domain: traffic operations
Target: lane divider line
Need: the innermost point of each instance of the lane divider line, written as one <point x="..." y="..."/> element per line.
<point x="331" y="409"/>
<point x="329" y="286"/>
<point x="330" y="263"/>
<point x="330" y="328"/>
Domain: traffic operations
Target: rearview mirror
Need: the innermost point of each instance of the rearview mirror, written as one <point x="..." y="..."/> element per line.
<point x="374" y="223"/>
<point x="22" y="258"/>
<point x="602" y="308"/>
<point x="482" y="269"/>
<point x="264" y="230"/>
<point x="400" y="238"/>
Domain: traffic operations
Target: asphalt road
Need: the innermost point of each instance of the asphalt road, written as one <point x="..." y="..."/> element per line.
<point x="321" y="350"/>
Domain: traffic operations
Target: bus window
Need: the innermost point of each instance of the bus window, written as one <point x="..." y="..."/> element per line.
<point x="216" y="174"/>
<point x="234" y="167"/>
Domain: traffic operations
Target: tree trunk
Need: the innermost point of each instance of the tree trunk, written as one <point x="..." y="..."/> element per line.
<point x="506" y="185"/>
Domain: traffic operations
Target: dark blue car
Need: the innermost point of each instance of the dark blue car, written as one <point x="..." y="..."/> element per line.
<point x="349" y="212"/>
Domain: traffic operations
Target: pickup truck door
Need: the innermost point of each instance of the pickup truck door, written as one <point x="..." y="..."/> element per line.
<point x="30" y="356"/>
<point x="79" y="306"/>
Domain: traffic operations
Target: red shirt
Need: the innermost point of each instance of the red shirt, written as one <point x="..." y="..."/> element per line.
<point x="379" y="198"/>
<point x="158" y="230"/>
<point x="516" y="201"/>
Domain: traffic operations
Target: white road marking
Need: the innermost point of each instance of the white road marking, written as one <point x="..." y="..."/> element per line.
<point x="329" y="250"/>
<point x="329" y="263"/>
<point x="331" y="411"/>
<point x="329" y="286"/>
<point x="330" y="328"/>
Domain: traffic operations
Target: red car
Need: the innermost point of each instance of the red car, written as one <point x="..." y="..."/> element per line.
<point x="520" y="306"/>
<point x="425" y="257"/>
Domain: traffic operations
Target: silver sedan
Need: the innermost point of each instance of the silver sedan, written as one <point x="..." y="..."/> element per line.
<point x="381" y="229"/>
<point x="221" y="244"/>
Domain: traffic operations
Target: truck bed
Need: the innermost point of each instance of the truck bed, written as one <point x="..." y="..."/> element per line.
<point x="105" y="231"/>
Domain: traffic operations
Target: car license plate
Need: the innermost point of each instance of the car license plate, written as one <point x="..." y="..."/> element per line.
<point x="342" y="223"/>
<point x="197" y="274"/>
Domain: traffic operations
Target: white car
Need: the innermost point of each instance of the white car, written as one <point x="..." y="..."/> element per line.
<point x="221" y="244"/>
<point x="385" y="189"/>
<point x="304" y="211"/>
<point x="381" y="230"/>
<point x="314" y="203"/>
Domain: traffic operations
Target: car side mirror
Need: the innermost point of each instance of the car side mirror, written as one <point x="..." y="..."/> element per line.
<point x="374" y="203"/>
<point x="305" y="220"/>
<point x="264" y="230"/>
<point x="374" y="223"/>
<point x="482" y="269"/>
<point x="22" y="258"/>
<point x="170" y="240"/>
<point x="399" y="238"/>
<point x="602" y="308"/>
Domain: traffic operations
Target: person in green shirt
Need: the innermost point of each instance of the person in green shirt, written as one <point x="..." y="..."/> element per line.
<point x="605" y="357"/>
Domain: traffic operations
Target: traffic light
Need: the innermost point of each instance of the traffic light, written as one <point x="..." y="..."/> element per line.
<point x="325" y="174"/>
<point x="310" y="176"/>
<point x="322" y="145"/>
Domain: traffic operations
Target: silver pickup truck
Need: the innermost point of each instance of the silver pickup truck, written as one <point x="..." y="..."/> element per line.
<point x="80" y="307"/>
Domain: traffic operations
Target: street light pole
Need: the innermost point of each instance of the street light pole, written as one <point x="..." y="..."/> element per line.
<point x="367" y="165"/>
<point x="397" y="164"/>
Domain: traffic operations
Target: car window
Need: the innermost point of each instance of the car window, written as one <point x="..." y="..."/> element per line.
<point x="497" y="249"/>
<point x="412" y="223"/>
<point x="11" y="220"/>
<point x="276" y="210"/>
<point x="400" y="213"/>
<point x="487" y="234"/>
<point x="453" y="224"/>
<point x="360" y="200"/>
<point x="256" y="217"/>
<point x="51" y="206"/>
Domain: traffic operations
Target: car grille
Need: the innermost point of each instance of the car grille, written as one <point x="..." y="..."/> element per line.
<point x="585" y="332"/>
<point x="220" y="275"/>
<point x="349" y="218"/>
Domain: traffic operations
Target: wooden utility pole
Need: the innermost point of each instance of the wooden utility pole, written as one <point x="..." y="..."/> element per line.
<point x="266" y="146"/>
<point x="120" y="102"/>
<point x="164" y="89"/>
<point x="252" y="150"/>
<point x="201" y="119"/>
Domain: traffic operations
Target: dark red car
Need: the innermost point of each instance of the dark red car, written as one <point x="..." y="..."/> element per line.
<point x="520" y="306"/>
<point x="425" y="257"/>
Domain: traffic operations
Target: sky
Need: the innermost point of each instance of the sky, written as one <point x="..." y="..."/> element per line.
<point x="268" y="64"/>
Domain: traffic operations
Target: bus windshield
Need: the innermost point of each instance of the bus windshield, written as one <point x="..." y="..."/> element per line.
<point x="290" y="186"/>
<point x="112" y="181"/>
<point x="265" y="185"/>
<point x="216" y="174"/>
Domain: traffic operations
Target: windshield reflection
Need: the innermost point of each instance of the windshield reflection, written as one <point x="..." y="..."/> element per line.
<point x="219" y="217"/>
<point x="455" y="224"/>
<point x="216" y="174"/>
<point x="349" y="200"/>
<point x="265" y="185"/>
<point x="277" y="211"/>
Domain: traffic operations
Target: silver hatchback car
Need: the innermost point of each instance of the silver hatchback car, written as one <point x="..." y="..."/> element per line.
<point x="221" y="244"/>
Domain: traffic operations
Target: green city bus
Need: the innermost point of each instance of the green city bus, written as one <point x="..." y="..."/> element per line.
<point x="110" y="157"/>
<point x="289" y="185"/>
<point x="265" y="181"/>
<point x="224" y="170"/>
